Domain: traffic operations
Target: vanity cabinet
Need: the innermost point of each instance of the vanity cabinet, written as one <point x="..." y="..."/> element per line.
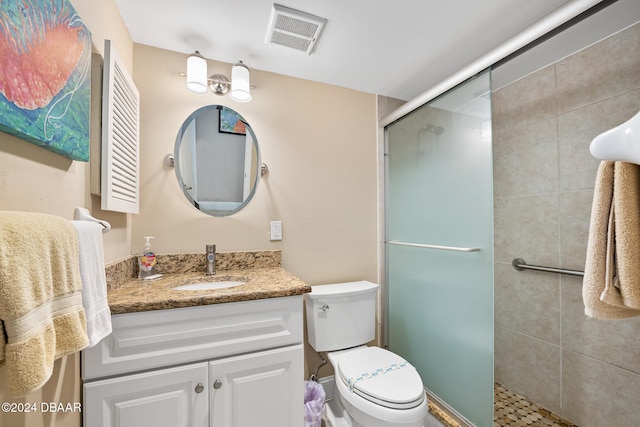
<point x="223" y="365"/>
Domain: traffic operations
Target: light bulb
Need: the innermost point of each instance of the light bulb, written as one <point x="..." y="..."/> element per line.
<point x="240" y="83"/>
<point x="196" y="73"/>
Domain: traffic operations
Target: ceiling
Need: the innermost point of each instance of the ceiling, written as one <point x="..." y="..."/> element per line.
<point x="366" y="45"/>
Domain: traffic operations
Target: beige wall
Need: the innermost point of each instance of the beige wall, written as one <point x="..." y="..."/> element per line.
<point x="545" y="347"/>
<point x="36" y="180"/>
<point x="319" y="142"/>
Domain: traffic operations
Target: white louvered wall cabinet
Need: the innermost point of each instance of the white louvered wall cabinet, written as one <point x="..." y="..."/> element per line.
<point x="120" y="182"/>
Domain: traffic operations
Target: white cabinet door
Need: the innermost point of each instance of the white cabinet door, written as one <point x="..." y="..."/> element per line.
<point x="259" y="389"/>
<point x="173" y="397"/>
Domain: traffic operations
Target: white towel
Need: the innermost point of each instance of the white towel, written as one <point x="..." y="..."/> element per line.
<point x="94" y="282"/>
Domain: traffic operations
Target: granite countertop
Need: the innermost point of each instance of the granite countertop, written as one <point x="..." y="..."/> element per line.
<point x="145" y="295"/>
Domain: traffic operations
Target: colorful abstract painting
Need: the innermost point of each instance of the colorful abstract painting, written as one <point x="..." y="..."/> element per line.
<point x="45" y="82"/>
<point x="231" y="122"/>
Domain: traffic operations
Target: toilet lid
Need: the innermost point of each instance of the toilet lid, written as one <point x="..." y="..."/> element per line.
<point x="382" y="377"/>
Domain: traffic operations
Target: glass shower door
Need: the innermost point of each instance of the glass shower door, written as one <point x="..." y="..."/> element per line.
<point x="439" y="217"/>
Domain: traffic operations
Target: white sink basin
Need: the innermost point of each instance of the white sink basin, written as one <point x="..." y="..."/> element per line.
<point x="209" y="285"/>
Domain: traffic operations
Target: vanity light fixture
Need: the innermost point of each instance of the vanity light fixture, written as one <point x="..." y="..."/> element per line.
<point x="197" y="80"/>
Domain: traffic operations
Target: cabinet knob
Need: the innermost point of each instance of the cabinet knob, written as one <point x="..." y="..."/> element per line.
<point x="217" y="384"/>
<point x="199" y="388"/>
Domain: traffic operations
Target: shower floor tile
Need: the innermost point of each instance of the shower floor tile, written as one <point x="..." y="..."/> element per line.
<point x="513" y="410"/>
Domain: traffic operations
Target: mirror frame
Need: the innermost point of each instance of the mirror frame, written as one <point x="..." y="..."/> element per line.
<point x="176" y="155"/>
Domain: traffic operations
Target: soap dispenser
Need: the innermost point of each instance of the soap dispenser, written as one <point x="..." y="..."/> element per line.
<point x="147" y="261"/>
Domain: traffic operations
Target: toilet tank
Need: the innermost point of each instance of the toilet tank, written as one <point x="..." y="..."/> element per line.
<point x="341" y="315"/>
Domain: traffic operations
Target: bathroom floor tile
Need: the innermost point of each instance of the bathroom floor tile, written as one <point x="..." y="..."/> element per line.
<point x="513" y="410"/>
<point x="510" y="410"/>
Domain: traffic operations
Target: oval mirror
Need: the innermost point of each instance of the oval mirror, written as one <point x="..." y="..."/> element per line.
<point x="217" y="160"/>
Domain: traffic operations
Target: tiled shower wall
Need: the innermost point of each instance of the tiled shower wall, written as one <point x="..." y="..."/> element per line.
<point x="585" y="370"/>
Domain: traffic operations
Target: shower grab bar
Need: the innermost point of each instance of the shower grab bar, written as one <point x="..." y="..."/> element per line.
<point x="443" y="248"/>
<point x="520" y="264"/>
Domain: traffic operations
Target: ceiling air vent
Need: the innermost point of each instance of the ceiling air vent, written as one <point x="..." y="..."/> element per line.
<point x="292" y="28"/>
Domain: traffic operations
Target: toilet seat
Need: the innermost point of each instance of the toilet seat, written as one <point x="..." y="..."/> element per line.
<point x="381" y="377"/>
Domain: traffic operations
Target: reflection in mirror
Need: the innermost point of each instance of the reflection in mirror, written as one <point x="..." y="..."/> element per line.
<point x="217" y="160"/>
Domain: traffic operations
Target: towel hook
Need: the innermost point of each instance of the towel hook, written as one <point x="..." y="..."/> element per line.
<point x="622" y="143"/>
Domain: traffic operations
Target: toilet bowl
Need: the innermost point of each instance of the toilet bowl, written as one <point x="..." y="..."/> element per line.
<point x="388" y="395"/>
<point x="373" y="386"/>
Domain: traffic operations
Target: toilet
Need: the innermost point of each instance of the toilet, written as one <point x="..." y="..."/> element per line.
<point x="373" y="386"/>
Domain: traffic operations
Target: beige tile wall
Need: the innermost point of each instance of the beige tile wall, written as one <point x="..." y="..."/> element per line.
<point x="545" y="347"/>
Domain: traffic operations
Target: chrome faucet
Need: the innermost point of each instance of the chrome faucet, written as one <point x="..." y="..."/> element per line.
<point x="211" y="260"/>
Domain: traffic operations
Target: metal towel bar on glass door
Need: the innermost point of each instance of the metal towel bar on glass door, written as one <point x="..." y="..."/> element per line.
<point x="443" y="248"/>
<point x="520" y="264"/>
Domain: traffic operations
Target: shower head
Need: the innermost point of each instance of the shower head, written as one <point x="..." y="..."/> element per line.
<point x="428" y="138"/>
<point x="438" y="130"/>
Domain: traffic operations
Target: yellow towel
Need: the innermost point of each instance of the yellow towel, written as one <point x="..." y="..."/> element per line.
<point x="40" y="300"/>
<point x="611" y="256"/>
